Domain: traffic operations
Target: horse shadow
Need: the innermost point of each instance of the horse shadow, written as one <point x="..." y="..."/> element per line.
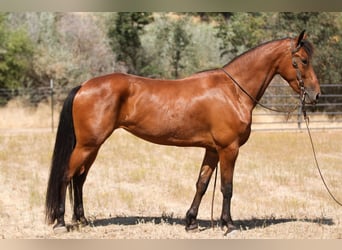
<point x="242" y="225"/>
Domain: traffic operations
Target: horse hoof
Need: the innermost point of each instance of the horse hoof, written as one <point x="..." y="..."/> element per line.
<point x="192" y="227"/>
<point x="60" y="229"/>
<point x="230" y="228"/>
<point x="83" y="222"/>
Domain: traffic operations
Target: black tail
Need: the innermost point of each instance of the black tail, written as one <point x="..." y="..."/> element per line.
<point x="64" y="145"/>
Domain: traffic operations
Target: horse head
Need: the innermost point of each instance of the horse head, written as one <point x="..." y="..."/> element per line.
<point x="297" y="69"/>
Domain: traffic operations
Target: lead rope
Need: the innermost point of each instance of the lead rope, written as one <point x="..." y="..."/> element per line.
<point x="316" y="161"/>
<point x="288" y="112"/>
<point x="212" y="201"/>
<point x="306" y="118"/>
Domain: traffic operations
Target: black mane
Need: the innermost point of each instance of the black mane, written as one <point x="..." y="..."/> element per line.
<point x="307" y="46"/>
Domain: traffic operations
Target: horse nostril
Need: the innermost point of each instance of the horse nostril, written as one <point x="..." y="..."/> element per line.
<point x="317" y="97"/>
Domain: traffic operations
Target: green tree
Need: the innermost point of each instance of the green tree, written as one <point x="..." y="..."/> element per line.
<point x="170" y="46"/>
<point x="16" y="53"/>
<point x="68" y="48"/>
<point x="125" y="39"/>
<point x="241" y="31"/>
<point x="180" y="39"/>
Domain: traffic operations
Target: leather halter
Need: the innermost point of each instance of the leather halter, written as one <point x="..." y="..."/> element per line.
<point x="300" y="80"/>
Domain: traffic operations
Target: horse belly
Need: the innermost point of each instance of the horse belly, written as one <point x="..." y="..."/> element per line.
<point x="168" y="129"/>
<point x="170" y="140"/>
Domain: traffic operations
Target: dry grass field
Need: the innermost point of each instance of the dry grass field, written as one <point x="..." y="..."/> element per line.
<point x="136" y="189"/>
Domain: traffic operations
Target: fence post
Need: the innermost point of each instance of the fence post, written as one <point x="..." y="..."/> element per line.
<point x="52" y="104"/>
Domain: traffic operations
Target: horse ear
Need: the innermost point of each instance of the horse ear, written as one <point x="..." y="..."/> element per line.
<point x="301" y="36"/>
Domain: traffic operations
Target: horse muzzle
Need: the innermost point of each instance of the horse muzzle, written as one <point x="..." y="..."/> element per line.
<point x="311" y="97"/>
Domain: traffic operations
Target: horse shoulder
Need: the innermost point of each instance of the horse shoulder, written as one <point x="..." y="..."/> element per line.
<point x="230" y="119"/>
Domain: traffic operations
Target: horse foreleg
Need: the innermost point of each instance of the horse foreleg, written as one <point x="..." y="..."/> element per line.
<point x="227" y="162"/>
<point x="208" y="166"/>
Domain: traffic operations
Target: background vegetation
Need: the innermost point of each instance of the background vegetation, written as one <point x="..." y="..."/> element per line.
<point x="72" y="47"/>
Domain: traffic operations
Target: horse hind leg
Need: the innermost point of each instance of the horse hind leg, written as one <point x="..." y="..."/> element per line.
<point x="80" y="162"/>
<point x="77" y="188"/>
<point x="208" y="166"/>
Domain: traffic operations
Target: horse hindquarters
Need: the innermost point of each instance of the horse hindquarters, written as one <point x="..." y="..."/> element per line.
<point x="70" y="163"/>
<point x="95" y="118"/>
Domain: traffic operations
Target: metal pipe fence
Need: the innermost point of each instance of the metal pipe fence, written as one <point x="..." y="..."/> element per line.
<point x="326" y="115"/>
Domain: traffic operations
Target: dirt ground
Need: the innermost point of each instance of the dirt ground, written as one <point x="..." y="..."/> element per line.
<point x="138" y="190"/>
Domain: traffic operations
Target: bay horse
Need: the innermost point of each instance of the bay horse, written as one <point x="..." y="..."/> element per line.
<point x="211" y="109"/>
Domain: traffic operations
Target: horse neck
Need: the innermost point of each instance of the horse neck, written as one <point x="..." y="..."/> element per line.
<point x="255" y="69"/>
